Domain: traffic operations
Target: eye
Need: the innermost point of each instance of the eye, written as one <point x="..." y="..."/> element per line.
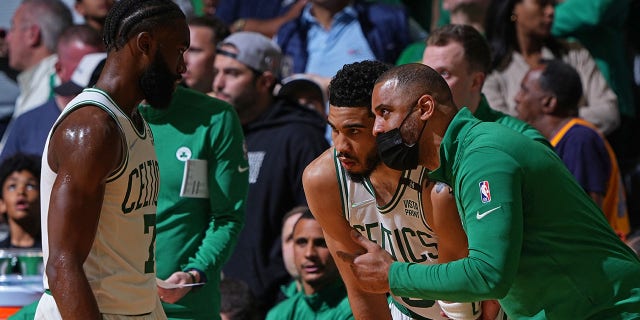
<point x="445" y="74"/>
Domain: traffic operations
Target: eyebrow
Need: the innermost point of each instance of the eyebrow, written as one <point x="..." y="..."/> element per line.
<point x="378" y="107"/>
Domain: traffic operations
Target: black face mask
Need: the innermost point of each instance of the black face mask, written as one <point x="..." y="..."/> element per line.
<point x="394" y="152"/>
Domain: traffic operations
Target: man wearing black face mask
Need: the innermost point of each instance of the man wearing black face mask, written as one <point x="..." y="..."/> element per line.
<point x="528" y="222"/>
<point x="396" y="153"/>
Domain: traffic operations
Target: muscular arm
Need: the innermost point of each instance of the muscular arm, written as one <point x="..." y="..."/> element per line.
<point x="85" y="148"/>
<point x="321" y="188"/>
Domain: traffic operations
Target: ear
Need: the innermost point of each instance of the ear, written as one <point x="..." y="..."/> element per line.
<point x="427" y="105"/>
<point x="549" y="104"/>
<point x="266" y="81"/>
<point x="34" y="35"/>
<point x="478" y="80"/>
<point x="58" y="67"/>
<point x="144" y="43"/>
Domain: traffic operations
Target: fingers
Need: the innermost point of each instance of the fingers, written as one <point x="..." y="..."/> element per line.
<point x="346" y="257"/>
<point x="370" y="246"/>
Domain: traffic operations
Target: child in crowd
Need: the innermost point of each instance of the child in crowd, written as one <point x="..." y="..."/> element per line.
<point x="20" y="201"/>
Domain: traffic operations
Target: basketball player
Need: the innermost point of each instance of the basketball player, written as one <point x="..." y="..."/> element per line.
<point x="100" y="173"/>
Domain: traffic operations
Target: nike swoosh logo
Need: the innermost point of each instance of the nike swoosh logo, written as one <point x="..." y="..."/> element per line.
<point x="484" y="214"/>
<point x="357" y="204"/>
<point x="242" y="169"/>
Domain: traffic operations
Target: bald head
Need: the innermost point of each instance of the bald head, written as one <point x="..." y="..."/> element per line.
<point x="416" y="79"/>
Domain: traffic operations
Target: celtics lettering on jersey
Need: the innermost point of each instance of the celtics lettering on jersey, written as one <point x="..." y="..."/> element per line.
<point x="142" y="191"/>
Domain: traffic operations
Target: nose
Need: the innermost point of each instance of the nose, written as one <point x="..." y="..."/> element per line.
<point x="218" y="82"/>
<point x="310" y="250"/>
<point x="341" y="144"/>
<point x="377" y="127"/>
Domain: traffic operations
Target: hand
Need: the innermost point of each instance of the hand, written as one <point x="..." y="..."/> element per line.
<point x="490" y="309"/>
<point x="173" y="295"/>
<point x="295" y="10"/>
<point x="371" y="267"/>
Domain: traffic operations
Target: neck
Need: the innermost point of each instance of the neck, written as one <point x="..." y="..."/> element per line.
<point x="474" y="18"/>
<point x="474" y="103"/>
<point x="528" y="46"/>
<point x="385" y="182"/>
<point x="432" y="136"/>
<point x="253" y="110"/>
<point x="324" y="14"/>
<point x="118" y="85"/>
<point x="35" y="57"/>
<point x="550" y="125"/>
<point x="23" y="234"/>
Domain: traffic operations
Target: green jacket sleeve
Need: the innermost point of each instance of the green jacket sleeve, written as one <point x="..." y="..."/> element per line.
<point x="494" y="230"/>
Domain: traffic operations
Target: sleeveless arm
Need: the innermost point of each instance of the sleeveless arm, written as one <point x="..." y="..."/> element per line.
<point x="321" y="188"/>
<point x="85" y="148"/>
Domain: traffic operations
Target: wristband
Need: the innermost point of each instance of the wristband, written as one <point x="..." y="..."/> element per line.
<point x="193" y="278"/>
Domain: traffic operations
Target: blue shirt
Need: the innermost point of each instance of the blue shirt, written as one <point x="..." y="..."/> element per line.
<point x="331" y="49"/>
<point x="29" y="131"/>
<point x="230" y="11"/>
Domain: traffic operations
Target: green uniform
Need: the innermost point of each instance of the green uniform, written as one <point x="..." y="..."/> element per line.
<point x="485" y="113"/>
<point x="537" y="242"/>
<point x="329" y="303"/>
<point x="198" y="229"/>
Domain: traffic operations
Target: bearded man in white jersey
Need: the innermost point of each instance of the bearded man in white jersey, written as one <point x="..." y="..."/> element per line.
<point x="392" y="208"/>
<point x="100" y="173"/>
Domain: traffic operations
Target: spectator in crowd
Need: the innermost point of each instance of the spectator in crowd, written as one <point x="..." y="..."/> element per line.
<point x="263" y="16"/>
<point x="601" y="25"/>
<point x="528" y="223"/>
<point x="282" y="138"/>
<point x="548" y="100"/>
<point x="237" y="302"/>
<point x="323" y="295"/>
<point x="467" y="12"/>
<point x="100" y="173"/>
<point x="201" y="202"/>
<point x="519" y="33"/>
<point x="306" y="91"/>
<point x="20" y="200"/>
<point x="80" y="58"/>
<point x="330" y="34"/>
<point x="94" y="12"/>
<point x="461" y="55"/>
<point x="205" y="33"/>
<point x="35" y="28"/>
<point x="288" y="222"/>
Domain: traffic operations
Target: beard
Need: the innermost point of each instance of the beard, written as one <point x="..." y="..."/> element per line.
<point x="370" y="164"/>
<point x="158" y="83"/>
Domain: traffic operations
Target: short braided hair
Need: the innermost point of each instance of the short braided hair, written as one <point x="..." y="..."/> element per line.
<point x="129" y="17"/>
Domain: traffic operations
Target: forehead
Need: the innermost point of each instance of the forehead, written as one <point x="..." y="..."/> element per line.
<point x="223" y="61"/>
<point x="450" y="55"/>
<point x="349" y="116"/>
<point x="200" y="32"/>
<point x="307" y="228"/>
<point x="21" y="175"/>
<point x="531" y="78"/>
<point x="389" y="94"/>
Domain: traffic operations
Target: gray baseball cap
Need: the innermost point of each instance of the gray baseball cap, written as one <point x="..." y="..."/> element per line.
<point x="255" y="51"/>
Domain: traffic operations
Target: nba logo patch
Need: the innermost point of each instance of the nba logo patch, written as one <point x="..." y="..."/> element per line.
<point x="485" y="193"/>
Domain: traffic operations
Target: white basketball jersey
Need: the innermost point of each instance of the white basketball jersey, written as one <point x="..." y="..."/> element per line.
<point x="400" y="227"/>
<point x="121" y="265"/>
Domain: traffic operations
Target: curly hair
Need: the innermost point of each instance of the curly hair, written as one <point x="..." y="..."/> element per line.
<point x="16" y="163"/>
<point x="353" y="84"/>
<point x="129" y="17"/>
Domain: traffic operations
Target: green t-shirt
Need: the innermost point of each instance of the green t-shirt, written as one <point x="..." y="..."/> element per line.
<point x="330" y="303"/>
<point x="537" y="242"/>
<point x="198" y="229"/>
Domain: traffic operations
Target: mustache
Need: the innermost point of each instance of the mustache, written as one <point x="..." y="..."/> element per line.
<point x="345" y="155"/>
